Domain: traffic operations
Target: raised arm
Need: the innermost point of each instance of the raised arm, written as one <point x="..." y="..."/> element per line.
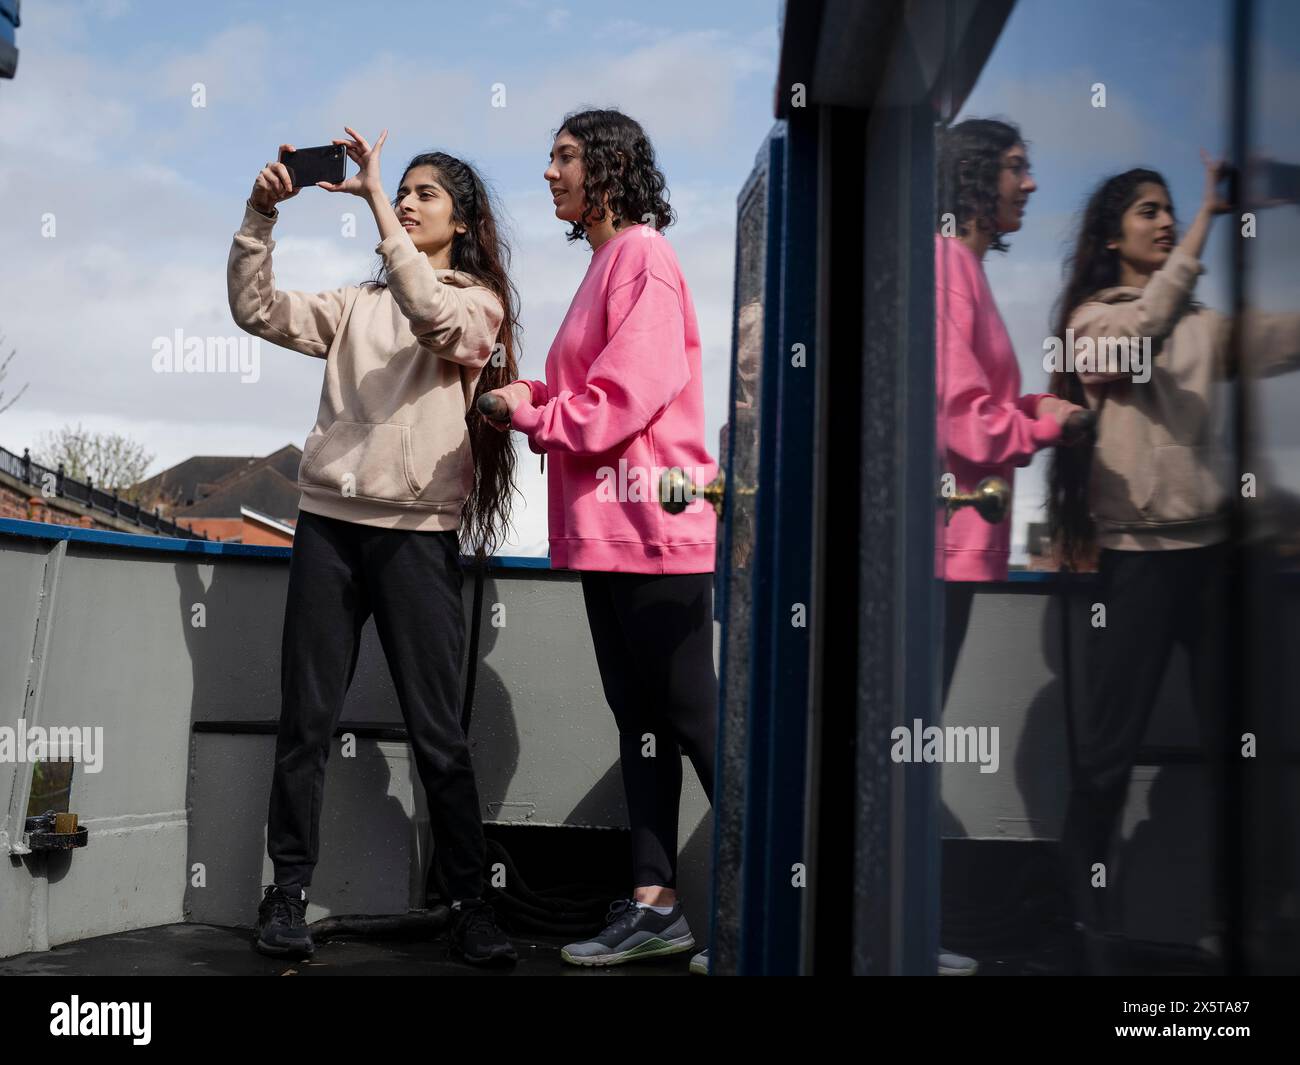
<point x="303" y="321"/>
<point x="1153" y="314"/>
<point x="454" y="323"/>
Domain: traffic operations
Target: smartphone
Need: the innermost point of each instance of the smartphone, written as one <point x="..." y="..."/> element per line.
<point x="1281" y="181"/>
<point x="307" y="166"/>
<point x="1229" y="186"/>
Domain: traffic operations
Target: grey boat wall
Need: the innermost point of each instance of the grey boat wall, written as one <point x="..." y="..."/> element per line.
<point x="173" y="648"/>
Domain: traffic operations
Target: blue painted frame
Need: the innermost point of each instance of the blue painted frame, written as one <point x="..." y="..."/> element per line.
<point x="771" y="939"/>
<point x="39" y="530"/>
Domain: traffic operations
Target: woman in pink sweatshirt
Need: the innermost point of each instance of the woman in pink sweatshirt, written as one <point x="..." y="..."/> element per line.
<point x="623" y="400"/>
<point x="985" y="426"/>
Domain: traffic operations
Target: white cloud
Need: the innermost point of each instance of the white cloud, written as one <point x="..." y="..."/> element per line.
<point x="682" y="89"/>
<point x="232" y="66"/>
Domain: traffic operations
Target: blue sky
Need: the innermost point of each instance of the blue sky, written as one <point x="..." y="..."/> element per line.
<point x="99" y="130"/>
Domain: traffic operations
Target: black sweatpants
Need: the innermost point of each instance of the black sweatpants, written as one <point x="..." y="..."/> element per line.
<point x="653" y="635"/>
<point x="341" y="573"/>
<point x="1153" y="600"/>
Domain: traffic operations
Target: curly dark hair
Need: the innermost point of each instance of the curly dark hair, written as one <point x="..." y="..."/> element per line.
<point x="1090" y="267"/>
<point x="969" y="169"/>
<point x="484" y="253"/>
<point x="620" y="171"/>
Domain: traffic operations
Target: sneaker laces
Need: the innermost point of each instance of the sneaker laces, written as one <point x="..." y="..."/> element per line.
<point x="622" y="909"/>
<point x="480" y="918"/>
<point x="283" y="906"/>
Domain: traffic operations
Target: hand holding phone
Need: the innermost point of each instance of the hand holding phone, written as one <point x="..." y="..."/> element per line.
<point x="273" y="184"/>
<point x="1221" y="192"/>
<point x="367" y="181"/>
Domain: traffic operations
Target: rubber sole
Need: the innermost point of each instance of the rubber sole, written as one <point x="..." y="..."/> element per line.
<point x="272" y="951"/>
<point x="651" y="948"/>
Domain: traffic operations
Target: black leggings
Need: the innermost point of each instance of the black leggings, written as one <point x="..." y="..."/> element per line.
<point x="340" y="574"/>
<point x="1153" y="600"/>
<point x="653" y="635"/>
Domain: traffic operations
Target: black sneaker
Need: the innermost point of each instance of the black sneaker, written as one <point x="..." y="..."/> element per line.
<point x="282" y="925"/>
<point x="475" y="936"/>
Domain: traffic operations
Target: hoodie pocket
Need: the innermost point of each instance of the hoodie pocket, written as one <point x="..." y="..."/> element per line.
<point x="1121" y="487"/>
<point x="1185" y="485"/>
<point x="364" y="459"/>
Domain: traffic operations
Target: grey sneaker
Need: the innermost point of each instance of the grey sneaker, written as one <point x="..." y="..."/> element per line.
<point x="632" y="933"/>
<point x="700" y="964"/>
<point x="951" y="964"/>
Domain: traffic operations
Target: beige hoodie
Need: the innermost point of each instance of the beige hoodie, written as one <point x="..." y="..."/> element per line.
<point x="390" y="447"/>
<point x="1160" y="478"/>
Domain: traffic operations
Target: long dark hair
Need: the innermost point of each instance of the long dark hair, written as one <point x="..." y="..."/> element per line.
<point x="482" y="252"/>
<point x="1090" y="267"/>
<point x="619" y="164"/>
<point x="969" y="170"/>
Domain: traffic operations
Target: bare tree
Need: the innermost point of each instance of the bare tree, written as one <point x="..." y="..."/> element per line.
<point x="113" y="461"/>
<point x="4" y="369"/>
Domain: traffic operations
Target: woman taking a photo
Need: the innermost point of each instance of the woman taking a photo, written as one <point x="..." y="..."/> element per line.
<point x="986" y="427"/>
<point x="1148" y="495"/>
<point x="391" y="473"/>
<point x="624" y="390"/>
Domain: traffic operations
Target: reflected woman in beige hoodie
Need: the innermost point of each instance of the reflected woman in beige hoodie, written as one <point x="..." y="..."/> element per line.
<point x="1147" y="502"/>
<point x="392" y="474"/>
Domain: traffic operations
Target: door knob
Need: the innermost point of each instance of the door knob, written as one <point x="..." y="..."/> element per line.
<point x="677" y="492"/>
<point x="991" y="500"/>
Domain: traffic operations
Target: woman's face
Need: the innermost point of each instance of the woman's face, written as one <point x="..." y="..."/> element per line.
<point x="424" y="208"/>
<point x="1015" y="185"/>
<point x="1147" y="230"/>
<point x="565" y="176"/>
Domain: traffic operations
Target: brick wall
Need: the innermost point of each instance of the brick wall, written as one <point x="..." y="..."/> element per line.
<point x="29" y="505"/>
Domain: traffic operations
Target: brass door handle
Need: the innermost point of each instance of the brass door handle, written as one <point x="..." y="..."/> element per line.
<point x="991" y="500"/>
<point x="677" y="492"/>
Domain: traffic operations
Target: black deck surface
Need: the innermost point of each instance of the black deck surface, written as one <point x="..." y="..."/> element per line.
<point x="208" y="950"/>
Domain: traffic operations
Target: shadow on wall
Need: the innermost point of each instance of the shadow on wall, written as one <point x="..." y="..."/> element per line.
<point x="377" y="846"/>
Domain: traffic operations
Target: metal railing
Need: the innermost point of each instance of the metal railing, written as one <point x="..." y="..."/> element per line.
<point x="24" y="468"/>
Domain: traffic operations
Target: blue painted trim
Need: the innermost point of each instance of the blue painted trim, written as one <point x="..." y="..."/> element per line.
<point x="39" y="530"/>
<point x="764" y="702"/>
<point x="779" y="716"/>
<point x="1029" y="576"/>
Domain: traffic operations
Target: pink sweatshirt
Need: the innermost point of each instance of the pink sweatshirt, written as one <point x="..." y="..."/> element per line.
<point x="624" y="400"/>
<point x="985" y="426"/>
